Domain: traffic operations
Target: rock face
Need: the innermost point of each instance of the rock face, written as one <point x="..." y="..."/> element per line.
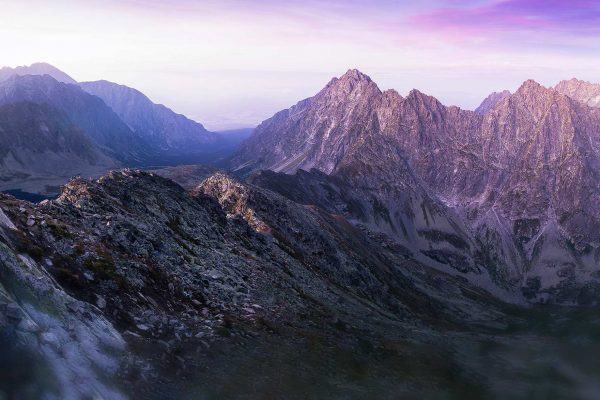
<point x="53" y="345"/>
<point x="156" y="124"/>
<point x="318" y="131"/>
<point x="88" y="112"/>
<point x="36" y="69"/>
<point x="582" y="91"/>
<point x="491" y="101"/>
<point x="39" y="142"/>
<point x="521" y="176"/>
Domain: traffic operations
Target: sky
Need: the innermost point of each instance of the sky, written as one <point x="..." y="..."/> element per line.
<point x="234" y="63"/>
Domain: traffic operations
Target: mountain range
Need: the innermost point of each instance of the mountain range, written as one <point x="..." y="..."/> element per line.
<point x="360" y="244"/>
<point x="156" y="124"/>
<point x="36" y="69"/>
<point x="513" y="187"/>
<point x="120" y="122"/>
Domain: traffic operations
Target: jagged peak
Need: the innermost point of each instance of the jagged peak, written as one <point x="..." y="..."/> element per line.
<point x="534" y="91"/>
<point x="530" y="85"/>
<point x="582" y="91"/>
<point x="575" y="84"/>
<point x="392" y="94"/>
<point x="44" y="65"/>
<point x="35" y="79"/>
<point x="492" y="100"/>
<point x="576" y="81"/>
<point x="355" y="74"/>
<point x="536" y="98"/>
<point x="108" y="84"/>
<point x="352" y="80"/>
<point x="502" y="93"/>
<point x="417" y="95"/>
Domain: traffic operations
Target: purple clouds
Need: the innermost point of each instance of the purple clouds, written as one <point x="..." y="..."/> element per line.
<point x="569" y="17"/>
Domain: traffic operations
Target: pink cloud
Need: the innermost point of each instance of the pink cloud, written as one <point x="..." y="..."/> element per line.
<point x="573" y="17"/>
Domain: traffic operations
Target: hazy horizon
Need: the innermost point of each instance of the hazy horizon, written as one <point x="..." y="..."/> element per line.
<point x="214" y="60"/>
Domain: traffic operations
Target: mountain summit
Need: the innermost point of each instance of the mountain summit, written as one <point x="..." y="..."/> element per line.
<point x="521" y="173"/>
<point x="36" y="69"/>
<point x="582" y="91"/>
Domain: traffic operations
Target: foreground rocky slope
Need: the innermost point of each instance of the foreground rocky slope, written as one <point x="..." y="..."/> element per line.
<point x="171" y="270"/>
<point x="129" y="286"/>
<point x="520" y="175"/>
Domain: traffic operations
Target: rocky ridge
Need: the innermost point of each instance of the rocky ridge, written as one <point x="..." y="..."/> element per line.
<point x="582" y="91"/>
<point x="521" y="176"/>
<point x="156" y="124"/>
<point x="165" y="270"/>
<point x="36" y="69"/>
<point x="490" y="101"/>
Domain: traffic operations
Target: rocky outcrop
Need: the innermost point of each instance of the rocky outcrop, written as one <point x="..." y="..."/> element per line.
<point x="491" y="101"/>
<point x="585" y="92"/>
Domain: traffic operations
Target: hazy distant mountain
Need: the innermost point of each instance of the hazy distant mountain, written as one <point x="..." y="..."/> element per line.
<point x="585" y="92"/>
<point x="39" y="145"/>
<point x="88" y="112"/>
<point x="523" y="175"/>
<point x="491" y="101"/>
<point x="158" y="125"/>
<point x="36" y="69"/>
<point x="124" y="122"/>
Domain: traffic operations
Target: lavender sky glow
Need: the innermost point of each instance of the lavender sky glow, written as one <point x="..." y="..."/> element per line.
<point x="233" y="63"/>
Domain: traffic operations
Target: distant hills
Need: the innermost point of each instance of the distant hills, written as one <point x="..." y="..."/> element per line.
<point x="121" y="125"/>
<point x="156" y="124"/>
<point x="36" y="69"/>
<point x="40" y="145"/>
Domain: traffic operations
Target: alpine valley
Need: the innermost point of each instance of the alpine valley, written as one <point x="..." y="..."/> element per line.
<point x="360" y="244"/>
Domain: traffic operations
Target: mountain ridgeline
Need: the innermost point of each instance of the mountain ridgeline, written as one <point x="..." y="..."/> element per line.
<point x="362" y="244"/>
<point x="156" y="124"/>
<point x="119" y="122"/>
<point x="507" y="194"/>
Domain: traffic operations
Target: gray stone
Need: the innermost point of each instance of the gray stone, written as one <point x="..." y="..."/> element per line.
<point x="13" y="311"/>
